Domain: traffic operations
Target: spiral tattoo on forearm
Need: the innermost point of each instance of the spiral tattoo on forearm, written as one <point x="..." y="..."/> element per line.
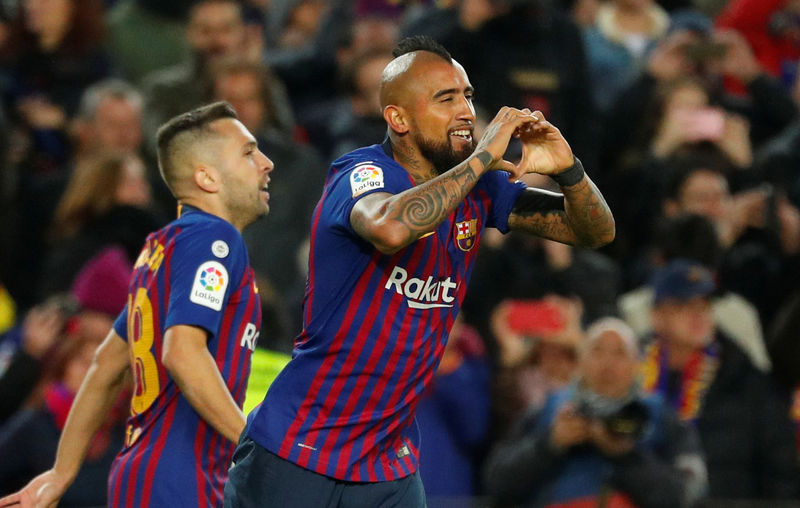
<point x="418" y="211"/>
<point x="424" y="207"/>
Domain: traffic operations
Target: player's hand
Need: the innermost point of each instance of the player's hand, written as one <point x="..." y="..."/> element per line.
<point x="44" y="491"/>
<point x="498" y="133"/>
<point x="544" y="149"/>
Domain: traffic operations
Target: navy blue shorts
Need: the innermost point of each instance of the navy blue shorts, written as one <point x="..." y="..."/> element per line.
<point x="261" y="479"/>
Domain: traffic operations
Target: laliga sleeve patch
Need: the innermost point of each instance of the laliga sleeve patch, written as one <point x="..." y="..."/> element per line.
<point x="209" y="285"/>
<point x="365" y="177"/>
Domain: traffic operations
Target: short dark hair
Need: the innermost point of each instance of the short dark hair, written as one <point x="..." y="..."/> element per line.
<point x="421" y="43"/>
<point x="689" y="236"/>
<point x="681" y="167"/>
<point x="194" y="122"/>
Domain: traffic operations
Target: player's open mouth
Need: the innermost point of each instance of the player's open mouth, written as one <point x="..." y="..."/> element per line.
<point x="464" y="134"/>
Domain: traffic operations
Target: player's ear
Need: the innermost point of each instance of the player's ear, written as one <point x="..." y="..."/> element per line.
<point x="207" y="178"/>
<point x="396" y="119"/>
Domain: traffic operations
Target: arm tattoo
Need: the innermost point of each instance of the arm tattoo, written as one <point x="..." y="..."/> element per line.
<point x="579" y="217"/>
<point x="425" y="206"/>
<point x="485" y="158"/>
<point x="588" y="213"/>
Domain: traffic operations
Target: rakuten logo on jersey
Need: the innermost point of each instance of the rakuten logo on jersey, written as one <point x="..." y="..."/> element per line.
<point x="422" y="294"/>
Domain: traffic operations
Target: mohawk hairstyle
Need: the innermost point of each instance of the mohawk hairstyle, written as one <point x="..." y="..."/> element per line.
<point x="421" y="43"/>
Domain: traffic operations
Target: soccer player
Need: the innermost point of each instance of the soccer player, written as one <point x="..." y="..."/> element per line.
<point x="393" y="241"/>
<point x="187" y="333"/>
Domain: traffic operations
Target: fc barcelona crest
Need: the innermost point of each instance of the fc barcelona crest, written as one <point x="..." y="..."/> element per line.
<point x="465" y="234"/>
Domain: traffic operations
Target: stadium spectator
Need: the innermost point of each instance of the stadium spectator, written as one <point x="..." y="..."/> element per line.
<point x="601" y="441"/>
<point x="216" y="30"/>
<point x="694" y="237"/>
<point x="524" y="267"/>
<point x="351" y="111"/>
<point x="771" y="28"/>
<point x="682" y="120"/>
<point x="741" y="415"/>
<point x="691" y="50"/>
<point x="109" y="118"/>
<point x="21" y="349"/>
<point x="530" y="73"/>
<point x="106" y="203"/>
<point x="453" y="418"/>
<point x="617" y="44"/>
<point x="276" y="246"/>
<point x="757" y="227"/>
<point x="359" y="122"/>
<point x="96" y="296"/>
<point x="53" y="52"/>
<point x="302" y="39"/>
<point x="538" y="342"/>
<point x="28" y="440"/>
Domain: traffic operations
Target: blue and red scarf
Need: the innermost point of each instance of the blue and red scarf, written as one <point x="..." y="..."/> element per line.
<point x="696" y="377"/>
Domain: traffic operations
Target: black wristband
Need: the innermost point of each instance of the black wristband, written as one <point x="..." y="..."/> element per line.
<point x="571" y="176"/>
<point x="484" y="158"/>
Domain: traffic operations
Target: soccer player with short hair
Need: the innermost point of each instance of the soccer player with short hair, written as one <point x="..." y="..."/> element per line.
<point x="187" y="333"/>
<point x="393" y="241"/>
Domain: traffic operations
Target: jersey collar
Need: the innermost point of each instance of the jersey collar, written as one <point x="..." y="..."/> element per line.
<point x="387" y="147"/>
<point x="184" y="209"/>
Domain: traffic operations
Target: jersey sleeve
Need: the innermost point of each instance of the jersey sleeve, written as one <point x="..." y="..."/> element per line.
<point x="359" y="180"/>
<point x="121" y="323"/>
<point x="503" y="195"/>
<point x="206" y="267"/>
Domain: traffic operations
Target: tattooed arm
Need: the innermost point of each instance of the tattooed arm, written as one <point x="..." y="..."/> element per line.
<point x="393" y="221"/>
<point x="580" y="217"/>
<point x="390" y="222"/>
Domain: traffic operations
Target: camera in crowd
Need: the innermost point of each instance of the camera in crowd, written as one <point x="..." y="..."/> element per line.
<point x="625" y="420"/>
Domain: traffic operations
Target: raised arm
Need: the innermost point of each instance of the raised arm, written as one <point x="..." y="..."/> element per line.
<point x="392" y="221"/>
<point x="191" y="365"/>
<point x="579" y="216"/>
<point x="94" y="400"/>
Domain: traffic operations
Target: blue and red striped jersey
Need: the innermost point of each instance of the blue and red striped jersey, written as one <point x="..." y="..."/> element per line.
<point x="374" y="327"/>
<point x="195" y="271"/>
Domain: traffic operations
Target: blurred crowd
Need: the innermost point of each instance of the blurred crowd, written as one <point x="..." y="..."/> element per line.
<point x="660" y="371"/>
